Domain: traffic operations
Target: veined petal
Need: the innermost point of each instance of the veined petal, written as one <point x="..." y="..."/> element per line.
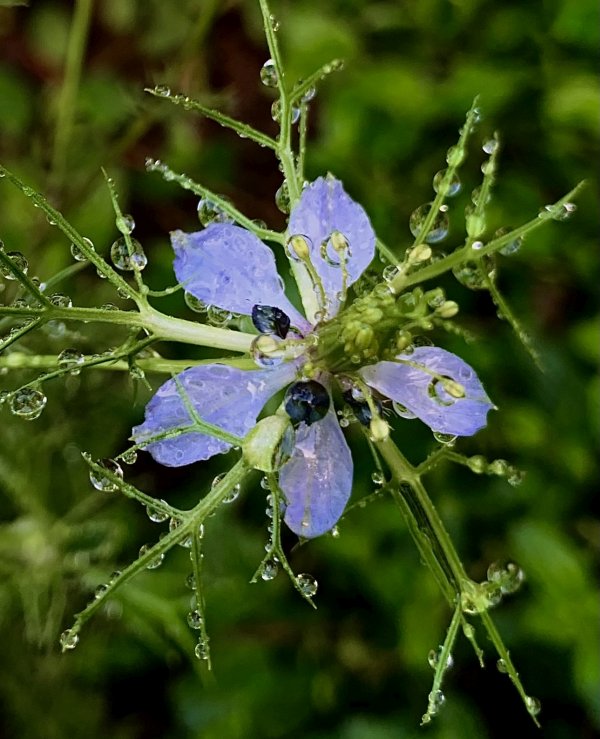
<point x="317" y="480"/>
<point x="412" y="382"/>
<point x="325" y="207"/>
<point x="224" y="396"/>
<point x="227" y="266"/>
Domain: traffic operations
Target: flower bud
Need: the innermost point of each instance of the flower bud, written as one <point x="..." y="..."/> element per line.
<point x="268" y="446"/>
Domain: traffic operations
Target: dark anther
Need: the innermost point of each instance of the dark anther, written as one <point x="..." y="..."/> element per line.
<point x="306" y="401"/>
<point x="361" y="407"/>
<point x="270" y="320"/>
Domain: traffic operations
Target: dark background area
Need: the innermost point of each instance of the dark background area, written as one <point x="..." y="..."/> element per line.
<point x="356" y="667"/>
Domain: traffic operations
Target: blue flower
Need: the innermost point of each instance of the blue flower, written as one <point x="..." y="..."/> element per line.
<point x="229" y="267"/>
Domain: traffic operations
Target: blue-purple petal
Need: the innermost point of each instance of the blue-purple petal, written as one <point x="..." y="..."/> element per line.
<point x="224" y="396"/>
<point x="416" y="389"/>
<point x="317" y="480"/>
<point x="324" y="207"/>
<point x="229" y="267"/>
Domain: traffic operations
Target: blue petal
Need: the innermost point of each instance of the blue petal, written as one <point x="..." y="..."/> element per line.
<point x="229" y="267"/>
<point x="224" y="396"/>
<point x="417" y="390"/>
<point x="317" y="480"/>
<point x="324" y="207"/>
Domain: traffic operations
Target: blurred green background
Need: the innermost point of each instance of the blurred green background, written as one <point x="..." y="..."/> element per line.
<point x="357" y="667"/>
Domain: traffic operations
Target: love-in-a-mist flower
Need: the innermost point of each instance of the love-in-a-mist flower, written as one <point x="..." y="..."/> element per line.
<point x="331" y="239"/>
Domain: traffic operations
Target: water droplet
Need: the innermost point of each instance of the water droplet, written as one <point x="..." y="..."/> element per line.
<point x="218" y="316"/>
<point x="128" y="258"/>
<point x="60" y="300"/>
<point x="335" y="249"/>
<point x="455" y="156"/>
<point x="211" y="212"/>
<point x="18" y="260"/>
<point x="194" y="303"/>
<point x="163" y="90"/>
<point x="76" y="252"/>
<point x="501" y="666"/>
<point x="451" y="187"/>
<point x="268" y="74"/>
<point x="269" y="570"/>
<point x="307" y="584"/>
<point x="202" y="650"/>
<point x="390" y="272"/>
<point x="276" y="112"/>
<point x="129" y="456"/>
<point x="513" y="246"/>
<point x="233" y="494"/>
<point x="402" y="410"/>
<point x="435" y="656"/>
<point x="436" y="701"/>
<point x="490" y="146"/>
<point x="558" y="212"/>
<point x="439" y="227"/>
<point x="154" y="563"/>
<point x="282" y="198"/>
<point x="103" y="483"/>
<point x="378" y="477"/>
<point x="533" y="705"/>
<point x="100" y="591"/>
<point x="446" y="439"/>
<point x="69" y="639"/>
<point x="267" y="350"/>
<point x="264" y="483"/>
<point x="72" y="360"/>
<point x="476" y="116"/>
<point x="28" y="403"/>
<point x="298" y="247"/>
<point x="477" y="197"/>
<point x="155" y="515"/>
<point x="195" y="620"/>
<point x="125" y="223"/>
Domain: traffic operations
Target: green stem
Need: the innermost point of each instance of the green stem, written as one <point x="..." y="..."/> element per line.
<point x="68" y="94"/>
<point x="404" y="471"/>
<point x="466" y="254"/>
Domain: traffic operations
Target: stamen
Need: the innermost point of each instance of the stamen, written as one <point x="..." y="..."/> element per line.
<point x="298" y="249"/>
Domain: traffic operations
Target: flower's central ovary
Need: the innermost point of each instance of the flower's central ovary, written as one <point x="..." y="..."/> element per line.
<point x="358" y="334"/>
